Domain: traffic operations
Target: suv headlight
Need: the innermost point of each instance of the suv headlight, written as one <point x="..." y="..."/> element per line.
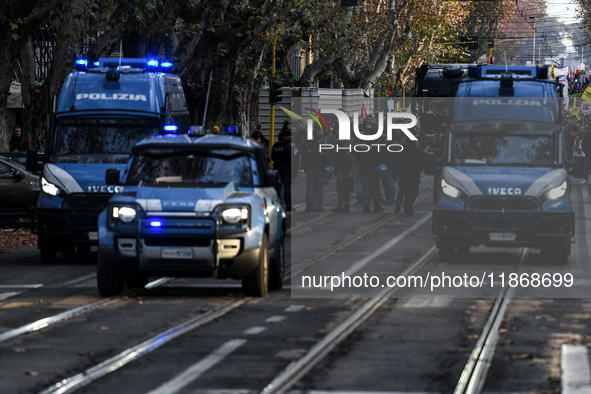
<point x="449" y="190"/>
<point x="49" y="187"/>
<point x="557" y="192"/>
<point x="125" y="214"/>
<point x="234" y="216"/>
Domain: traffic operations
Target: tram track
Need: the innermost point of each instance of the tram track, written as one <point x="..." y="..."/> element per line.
<point x="475" y="371"/>
<point x="356" y="318"/>
<point x="346" y="241"/>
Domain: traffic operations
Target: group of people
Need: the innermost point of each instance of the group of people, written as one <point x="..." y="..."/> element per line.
<point x="372" y="176"/>
<point x="580" y="141"/>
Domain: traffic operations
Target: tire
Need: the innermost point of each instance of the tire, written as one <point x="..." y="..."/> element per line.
<point x="108" y="284"/>
<point x="47" y="251"/>
<point x="446" y="251"/>
<point x="277" y="266"/>
<point x="257" y="283"/>
<point x="557" y="252"/>
<point x="136" y="283"/>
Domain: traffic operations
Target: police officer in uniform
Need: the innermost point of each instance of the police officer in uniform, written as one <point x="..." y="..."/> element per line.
<point x="281" y="154"/>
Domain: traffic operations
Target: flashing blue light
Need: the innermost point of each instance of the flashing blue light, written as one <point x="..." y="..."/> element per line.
<point x="96" y="64"/>
<point x="166" y="64"/>
<point x="156" y="223"/>
<point x="81" y="64"/>
<point x="153" y="63"/>
<point x="171" y="127"/>
<point x="233" y="130"/>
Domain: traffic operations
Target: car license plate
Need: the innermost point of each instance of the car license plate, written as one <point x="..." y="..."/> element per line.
<point x="502" y="236"/>
<point x="173" y="253"/>
<point x="93" y="235"/>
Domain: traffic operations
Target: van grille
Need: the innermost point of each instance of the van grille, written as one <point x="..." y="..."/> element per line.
<point x="503" y="204"/>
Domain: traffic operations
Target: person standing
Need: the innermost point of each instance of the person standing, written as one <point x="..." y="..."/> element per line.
<point x="343" y="170"/>
<point x="282" y="154"/>
<point x="314" y="163"/>
<point x="17" y="141"/>
<point x="409" y="175"/>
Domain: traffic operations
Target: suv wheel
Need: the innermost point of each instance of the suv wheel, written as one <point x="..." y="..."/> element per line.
<point x="277" y="266"/>
<point x="256" y="284"/>
<point x="108" y="284"/>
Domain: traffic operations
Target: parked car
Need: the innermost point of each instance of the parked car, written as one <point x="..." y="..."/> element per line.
<point x="19" y="188"/>
<point x="200" y="206"/>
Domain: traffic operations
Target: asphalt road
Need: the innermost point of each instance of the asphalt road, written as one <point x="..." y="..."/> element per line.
<point x="202" y="336"/>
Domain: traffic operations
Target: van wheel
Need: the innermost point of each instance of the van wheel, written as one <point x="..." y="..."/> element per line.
<point x="257" y="283"/>
<point x="557" y="252"/>
<point x="47" y="251"/>
<point x="446" y="250"/>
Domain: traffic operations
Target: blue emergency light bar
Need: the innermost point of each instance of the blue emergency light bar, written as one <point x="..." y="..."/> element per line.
<point x="233" y="130"/>
<point x="518" y="72"/>
<point x="171" y="128"/>
<point x="81" y="64"/>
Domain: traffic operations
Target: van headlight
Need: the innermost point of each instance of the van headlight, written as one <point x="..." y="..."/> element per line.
<point x="49" y="188"/>
<point x="449" y="190"/>
<point x="557" y="192"/>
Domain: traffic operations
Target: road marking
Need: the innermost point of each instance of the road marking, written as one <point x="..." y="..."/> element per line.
<point x="361" y="263"/>
<point x="4" y="296"/>
<point x="294" y="308"/>
<point x="106" y="367"/>
<point x="576" y="376"/>
<point x="427" y="302"/>
<point x="194" y="372"/>
<point x="31" y="286"/>
<point x="275" y="319"/>
<point x="254" y="330"/>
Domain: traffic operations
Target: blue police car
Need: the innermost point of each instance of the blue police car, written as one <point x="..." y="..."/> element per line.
<point x="198" y="206"/>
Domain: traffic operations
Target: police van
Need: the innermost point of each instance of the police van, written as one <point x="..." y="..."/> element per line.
<point x="101" y="112"/>
<point x="503" y="174"/>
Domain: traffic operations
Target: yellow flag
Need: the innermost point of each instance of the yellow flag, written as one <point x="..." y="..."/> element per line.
<point x="586" y="95"/>
<point x="552" y="74"/>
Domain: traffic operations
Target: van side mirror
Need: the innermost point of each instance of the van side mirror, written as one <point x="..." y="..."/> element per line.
<point x="112" y="177"/>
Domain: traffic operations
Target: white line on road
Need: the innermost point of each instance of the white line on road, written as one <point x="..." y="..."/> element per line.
<point x="4" y="296"/>
<point x="361" y="263"/>
<point x="254" y="330"/>
<point x="35" y="286"/>
<point x="195" y="371"/>
<point x="275" y="319"/>
<point x="576" y="375"/>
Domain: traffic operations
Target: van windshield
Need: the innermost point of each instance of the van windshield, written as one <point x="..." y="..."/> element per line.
<point x="490" y="149"/>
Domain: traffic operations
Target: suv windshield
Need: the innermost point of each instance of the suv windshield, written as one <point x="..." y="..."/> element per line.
<point x="488" y="149"/>
<point x="191" y="167"/>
